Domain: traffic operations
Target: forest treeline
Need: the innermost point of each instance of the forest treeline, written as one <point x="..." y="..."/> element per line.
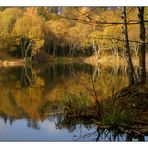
<point x="66" y="31"/>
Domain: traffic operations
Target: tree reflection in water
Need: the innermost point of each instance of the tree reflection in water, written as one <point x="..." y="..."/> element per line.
<point x="98" y="134"/>
<point x="27" y="78"/>
<point x="82" y="130"/>
<point x="33" y="93"/>
<point x="33" y="124"/>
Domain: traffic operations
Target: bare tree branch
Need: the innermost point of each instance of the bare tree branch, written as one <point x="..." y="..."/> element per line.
<point x="102" y="23"/>
<point x="108" y="37"/>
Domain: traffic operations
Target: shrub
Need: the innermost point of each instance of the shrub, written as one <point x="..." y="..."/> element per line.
<point x="118" y="118"/>
<point x="76" y="105"/>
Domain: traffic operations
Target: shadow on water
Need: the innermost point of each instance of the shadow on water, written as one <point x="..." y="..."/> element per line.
<point x="34" y="93"/>
<point x="84" y="130"/>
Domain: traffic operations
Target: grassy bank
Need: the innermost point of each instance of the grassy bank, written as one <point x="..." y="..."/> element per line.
<point x="109" y="60"/>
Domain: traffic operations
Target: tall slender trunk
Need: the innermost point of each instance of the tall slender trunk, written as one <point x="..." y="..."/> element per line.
<point x="142" y="58"/>
<point x="97" y="50"/>
<point x="127" y="48"/>
<point x="54" y="48"/>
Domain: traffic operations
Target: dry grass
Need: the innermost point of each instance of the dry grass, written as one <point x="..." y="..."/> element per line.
<point x="12" y="63"/>
<point x="110" y="60"/>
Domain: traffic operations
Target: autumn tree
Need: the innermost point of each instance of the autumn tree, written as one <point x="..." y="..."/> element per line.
<point x="76" y="39"/>
<point x="56" y="31"/>
<point x="8" y="19"/>
<point x="69" y="31"/>
<point x="29" y="33"/>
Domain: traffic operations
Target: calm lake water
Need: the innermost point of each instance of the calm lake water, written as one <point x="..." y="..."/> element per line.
<point x="30" y="96"/>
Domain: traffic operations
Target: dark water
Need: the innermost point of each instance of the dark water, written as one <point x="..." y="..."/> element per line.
<point x="30" y="96"/>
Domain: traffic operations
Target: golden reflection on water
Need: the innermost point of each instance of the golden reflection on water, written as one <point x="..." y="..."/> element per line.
<point x="33" y="92"/>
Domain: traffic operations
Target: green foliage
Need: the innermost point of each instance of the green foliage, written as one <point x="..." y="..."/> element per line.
<point x="76" y="106"/>
<point x="43" y="11"/>
<point x="118" y="118"/>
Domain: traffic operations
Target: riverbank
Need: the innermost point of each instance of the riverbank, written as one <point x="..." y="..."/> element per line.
<point x="130" y="108"/>
<point x="12" y="63"/>
<point x="107" y="60"/>
<point x="20" y="62"/>
<point x="66" y="60"/>
<point x="125" y="111"/>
